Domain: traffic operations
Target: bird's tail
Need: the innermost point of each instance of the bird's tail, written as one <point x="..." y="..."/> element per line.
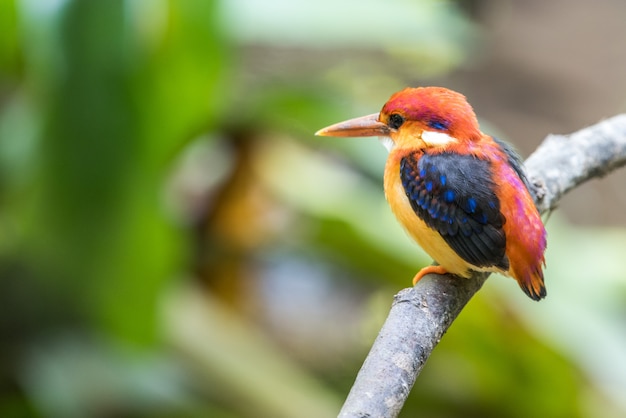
<point x="531" y="282"/>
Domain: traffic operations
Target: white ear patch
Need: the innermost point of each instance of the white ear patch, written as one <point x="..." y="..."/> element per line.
<point x="387" y="142"/>
<point x="437" y="138"/>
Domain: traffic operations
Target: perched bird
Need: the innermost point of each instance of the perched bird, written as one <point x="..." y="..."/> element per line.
<point x="461" y="194"/>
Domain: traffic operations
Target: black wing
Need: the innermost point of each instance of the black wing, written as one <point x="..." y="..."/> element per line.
<point x="454" y="195"/>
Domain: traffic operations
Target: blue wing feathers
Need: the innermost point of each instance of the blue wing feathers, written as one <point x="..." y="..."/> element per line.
<point x="454" y="195"/>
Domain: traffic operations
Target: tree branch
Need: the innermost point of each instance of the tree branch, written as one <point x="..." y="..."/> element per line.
<point x="419" y="316"/>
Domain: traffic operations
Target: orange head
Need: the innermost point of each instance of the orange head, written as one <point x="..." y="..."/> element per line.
<point x="422" y="117"/>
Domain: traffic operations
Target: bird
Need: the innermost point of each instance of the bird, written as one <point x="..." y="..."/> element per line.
<point x="462" y="195"/>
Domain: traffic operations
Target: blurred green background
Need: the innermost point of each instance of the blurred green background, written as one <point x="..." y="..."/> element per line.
<point x="174" y="242"/>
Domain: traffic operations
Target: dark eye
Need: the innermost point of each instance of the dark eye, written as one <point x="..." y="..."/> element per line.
<point x="438" y="124"/>
<point x="395" y="121"/>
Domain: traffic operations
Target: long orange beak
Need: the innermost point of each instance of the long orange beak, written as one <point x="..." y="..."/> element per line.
<point x="363" y="126"/>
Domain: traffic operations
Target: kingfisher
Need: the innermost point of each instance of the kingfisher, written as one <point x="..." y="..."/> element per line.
<point x="462" y="195"/>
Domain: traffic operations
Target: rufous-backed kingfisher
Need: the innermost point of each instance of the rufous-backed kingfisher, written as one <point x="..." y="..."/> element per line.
<point x="461" y="194"/>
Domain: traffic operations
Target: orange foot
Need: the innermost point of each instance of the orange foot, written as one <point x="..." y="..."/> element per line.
<point x="427" y="270"/>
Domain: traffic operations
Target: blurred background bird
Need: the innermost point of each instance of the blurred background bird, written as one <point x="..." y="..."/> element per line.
<point x="461" y="194"/>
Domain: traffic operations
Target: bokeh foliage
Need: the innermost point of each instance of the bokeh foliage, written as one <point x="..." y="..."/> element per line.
<point x="174" y="242"/>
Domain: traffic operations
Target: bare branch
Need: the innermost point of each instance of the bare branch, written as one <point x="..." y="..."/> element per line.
<point x="419" y="316"/>
<point x="563" y="162"/>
